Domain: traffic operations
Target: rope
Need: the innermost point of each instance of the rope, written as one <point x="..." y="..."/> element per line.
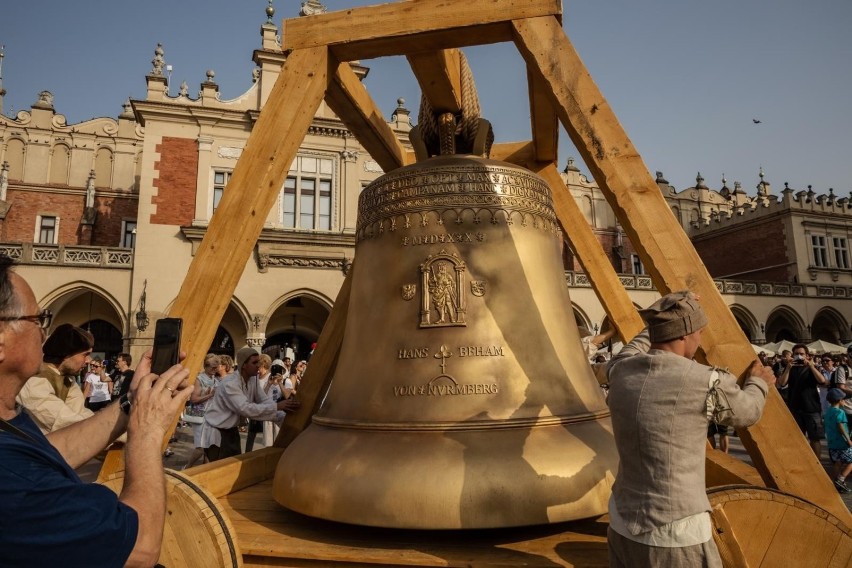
<point x="467" y="124"/>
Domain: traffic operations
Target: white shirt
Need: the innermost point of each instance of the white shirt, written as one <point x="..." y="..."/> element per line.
<point x="100" y="390"/>
<point x="689" y="531"/>
<point x="235" y="398"/>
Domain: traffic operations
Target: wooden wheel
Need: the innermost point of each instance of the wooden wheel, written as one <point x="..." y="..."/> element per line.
<point x="755" y="527"/>
<point x="197" y="532"/>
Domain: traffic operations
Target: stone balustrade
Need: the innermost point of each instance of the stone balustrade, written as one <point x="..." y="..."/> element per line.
<point x="68" y="255"/>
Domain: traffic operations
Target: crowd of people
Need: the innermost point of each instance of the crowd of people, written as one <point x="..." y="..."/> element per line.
<point x="818" y="392"/>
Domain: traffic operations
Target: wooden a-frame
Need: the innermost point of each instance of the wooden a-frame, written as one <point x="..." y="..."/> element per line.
<point x="429" y="33"/>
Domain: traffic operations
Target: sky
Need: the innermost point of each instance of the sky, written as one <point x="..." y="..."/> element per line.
<point x="686" y="79"/>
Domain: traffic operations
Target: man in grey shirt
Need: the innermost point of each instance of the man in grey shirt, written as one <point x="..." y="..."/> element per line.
<point x="238" y="395"/>
<point x="661" y="401"/>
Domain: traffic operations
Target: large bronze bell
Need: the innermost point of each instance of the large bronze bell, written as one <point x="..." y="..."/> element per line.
<point x="461" y="397"/>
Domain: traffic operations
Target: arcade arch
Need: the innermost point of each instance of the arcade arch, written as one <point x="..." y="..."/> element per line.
<point x="296" y="322"/>
<point x="79" y="302"/>
<point x="580" y="317"/>
<point x="830" y="325"/>
<point x="747" y="322"/>
<point x="232" y="332"/>
<point x="784" y="323"/>
<point x="93" y="309"/>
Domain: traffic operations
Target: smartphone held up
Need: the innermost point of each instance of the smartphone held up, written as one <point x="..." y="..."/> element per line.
<point x="166" y="344"/>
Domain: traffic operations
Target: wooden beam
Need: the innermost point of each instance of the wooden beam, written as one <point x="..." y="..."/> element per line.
<point x="726" y="540"/>
<point x="543" y="119"/>
<point x="254" y="186"/>
<point x="319" y="373"/>
<point x="349" y="100"/>
<point x="586" y="246"/>
<point x="229" y="475"/>
<point x="775" y="444"/>
<point x="400" y="28"/>
<point x="518" y="153"/>
<point x="723" y="469"/>
<point x="439" y="76"/>
<point x="113" y="462"/>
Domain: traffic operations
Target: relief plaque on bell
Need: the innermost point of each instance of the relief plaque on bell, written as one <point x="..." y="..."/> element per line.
<point x="461" y="397"/>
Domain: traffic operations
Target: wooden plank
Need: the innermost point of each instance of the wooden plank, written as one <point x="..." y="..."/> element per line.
<point x="113" y="462"/>
<point x="775" y="444"/>
<point x="726" y="540"/>
<point x="398" y="28"/>
<point x="226" y="476"/>
<point x="255" y="184"/>
<point x="723" y="469"/>
<point x="267" y="534"/>
<point x="320" y="371"/>
<point x="756" y="519"/>
<point x="439" y="76"/>
<point x="543" y="119"/>
<point x="804" y="537"/>
<point x="349" y="100"/>
<point x="586" y="246"/>
<point x="518" y="153"/>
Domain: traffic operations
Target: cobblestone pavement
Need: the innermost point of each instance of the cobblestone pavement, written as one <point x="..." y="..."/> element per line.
<point x="182" y="448"/>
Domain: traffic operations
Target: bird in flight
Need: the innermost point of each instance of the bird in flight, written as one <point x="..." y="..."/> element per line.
<point x="754" y="120"/>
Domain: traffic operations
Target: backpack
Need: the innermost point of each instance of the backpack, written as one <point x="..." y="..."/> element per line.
<point x="832" y="381"/>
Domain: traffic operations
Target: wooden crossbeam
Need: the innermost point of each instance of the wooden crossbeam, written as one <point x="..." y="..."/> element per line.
<point x="414" y="26"/>
<point x="318" y="376"/>
<point x="775" y="444"/>
<point x="543" y="119"/>
<point x="518" y="153"/>
<point x="605" y="282"/>
<point x="439" y="76"/>
<point x="254" y="186"/>
<point x="350" y="101"/>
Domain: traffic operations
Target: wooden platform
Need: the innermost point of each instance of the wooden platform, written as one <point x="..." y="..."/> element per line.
<point x="270" y="535"/>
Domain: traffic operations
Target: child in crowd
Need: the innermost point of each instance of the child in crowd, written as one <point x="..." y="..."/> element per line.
<point x="839" y="443"/>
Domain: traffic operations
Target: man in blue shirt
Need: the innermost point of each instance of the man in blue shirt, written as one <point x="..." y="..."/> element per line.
<point x="48" y="516"/>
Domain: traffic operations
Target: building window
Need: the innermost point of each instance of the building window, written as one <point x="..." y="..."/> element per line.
<point x="638" y="267"/>
<point x="128" y="234"/>
<point x="307" y="194"/>
<point x="220" y="180"/>
<point x="841" y="253"/>
<point x="819" y="249"/>
<point x="47" y="228"/>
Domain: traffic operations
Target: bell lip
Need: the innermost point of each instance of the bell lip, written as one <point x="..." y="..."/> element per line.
<point x="351" y="477"/>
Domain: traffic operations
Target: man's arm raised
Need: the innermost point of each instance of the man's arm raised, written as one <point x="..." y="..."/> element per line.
<point x="156" y="402"/>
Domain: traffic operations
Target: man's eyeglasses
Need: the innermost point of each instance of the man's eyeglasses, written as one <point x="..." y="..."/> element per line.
<point x="43" y="318"/>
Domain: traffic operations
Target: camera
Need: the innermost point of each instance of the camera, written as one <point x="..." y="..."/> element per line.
<point x="277" y="370"/>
